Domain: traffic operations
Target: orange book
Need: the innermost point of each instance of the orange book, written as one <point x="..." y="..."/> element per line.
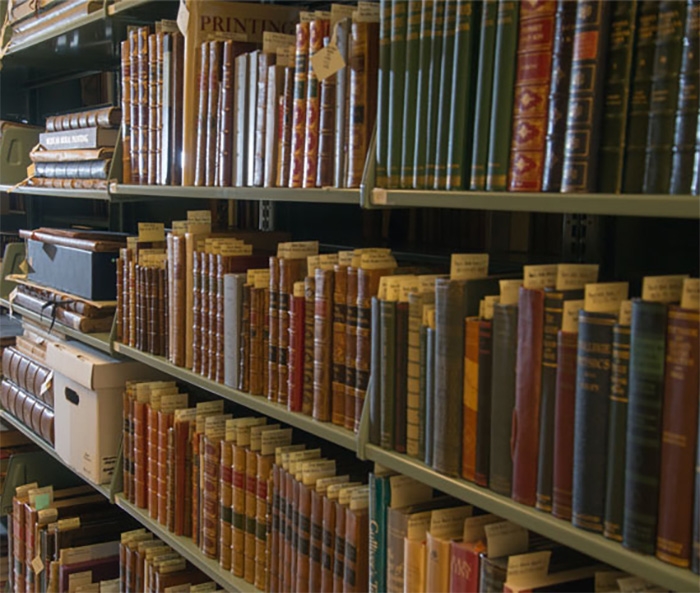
<point x="299" y="114"/>
<point x="318" y="29"/>
<point x="470" y="397"/>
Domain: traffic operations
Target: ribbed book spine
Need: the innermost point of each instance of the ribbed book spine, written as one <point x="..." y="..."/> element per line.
<point x="323" y="329"/>
<point x="413" y="417"/>
<point x="126" y="110"/>
<point x="318" y="29"/>
<point x="373" y="395"/>
<point x="327" y="130"/>
<point x="296" y="348"/>
<point x="299" y="113"/>
<point x="401" y="366"/>
<point x="202" y="124"/>
<point x="470" y="398"/>
<point x="397" y="80"/>
<point x="387" y="379"/>
<point x="309" y="323"/>
<point x="340" y="289"/>
<point x="273" y="340"/>
<point x="483" y="424"/>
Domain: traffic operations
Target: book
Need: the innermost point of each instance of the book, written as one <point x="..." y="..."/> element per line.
<point x="470" y="402"/>
<point x="81" y="139"/>
<point x="318" y="30"/>
<point x="300" y="96"/>
<point x="413" y="46"/>
<point x="398" y="25"/>
<point x="323" y="332"/>
<point x="340" y="290"/>
<point x="383" y="92"/>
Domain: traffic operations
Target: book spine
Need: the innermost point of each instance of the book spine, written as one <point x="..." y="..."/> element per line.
<point x="429" y="394"/>
<point x="317" y="31"/>
<point x="299" y="113"/>
<point x="356" y="561"/>
<point x="241" y="132"/>
<point x="384" y="74"/>
<point x="505" y="335"/>
<point x="664" y="96"/>
<point x="623" y="24"/>
<point x="307" y="402"/>
<point x="400" y="381"/>
<point x="273" y="583"/>
<point x="238" y="517"/>
<point x="323" y="332"/>
<point x="377" y="533"/>
<point x="328" y="544"/>
<point x="152" y="465"/>
<point x="679" y="434"/>
<point x="437" y="32"/>
<point x="141" y="104"/>
<point x="358" y="108"/>
<point x="484" y="92"/>
<point x="275" y="83"/>
<point x="640" y="96"/>
<point x="291" y="271"/>
<point x="286" y="108"/>
<point x="562" y="52"/>
<point x="126" y="110"/>
<point x="695" y="554"/>
<point x="413" y="417"/>
<point x="211" y="461"/>
<point x="225" y="153"/>
<point x="483" y="427"/>
<point x="387" y="378"/>
<point x="251" y="116"/>
<point x="273" y="314"/>
<point x="591" y="419"/>
<point x="340" y="289"/>
<point x="586" y="97"/>
<point x="411" y="91"/>
<point x="375" y="406"/>
<point x="202" y="123"/>
<point x="264" y="465"/>
<point x="177" y="109"/>
<point x="151" y="162"/>
<point x="251" y="504"/>
<point x="497" y="164"/>
<point x="617" y="433"/>
<point x="351" y="343"/>
<point x="315" y="541"/>
<point x="470" y="398"/>
<point x="526" y="414"/>
<point x="646" y="382"/>
<point x="397" y="81"/>
<point x="301" y="581"/>
<point x="296" y="348"/>
<point x="342" y="32"/>
<point x="225" y="503"/>
<point x="196" y="311"/>
<point x="213" y="93"/>
<point x="244" y="371"/>
<point x="259" y="156"/>
<point x="326" y="141"/>
<point x="165" y="422"/>
<point x="256" y="341"/>
<point x="339" y="547"/>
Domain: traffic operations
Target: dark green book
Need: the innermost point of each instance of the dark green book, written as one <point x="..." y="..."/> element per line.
<point x="379" y="499"/>
<point x="618" y="74"/>
<point x="429" y="393"/>
<point x="436" y="34"/>
<point x="383" y="75"/>
<point x="387" y="376"/>
<point x="373" y="393"/>
<point x="617" y="434"/>
<point x="397" y="80"/>
<point x="591" y="419"/>
<point x="646" y="389"/>
<point x="484" y="90"/>
<point x="686" y="123"/>
<point x="640" y="97"/>
<point x="461" y="106"/>
<point x="664" y="96"/>
<point x="423" y="94"/>
<point x="503" y="91"/>
<point x="413" y="46"/>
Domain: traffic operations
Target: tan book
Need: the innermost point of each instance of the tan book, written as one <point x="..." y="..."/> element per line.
<point x="323" y="351"/>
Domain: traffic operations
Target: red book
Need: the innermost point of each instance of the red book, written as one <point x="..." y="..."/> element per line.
<point x="526" y="415"/>
<point x="464" y="566"/>
<point x="296" y="348"/>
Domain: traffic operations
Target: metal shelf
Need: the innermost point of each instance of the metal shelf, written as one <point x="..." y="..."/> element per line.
<point x="35" y="438"/>
<point x="324" y="430"/>
<point x="595" y="545"/>
<point x="665" y="206"/>
<point x="327" y="195"/>
<point x="187" y="549"/>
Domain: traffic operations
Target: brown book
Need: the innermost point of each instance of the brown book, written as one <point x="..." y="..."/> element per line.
<point x="275" y="93"/>
<point x="165" y="423"/>
<point x="272" y="578"/>
<point x="176" y="143"/>
<point x="177" y="307"/>
<point x="296" y="348"/>
<point x="356" y="535"/>
<point x="470" y="397"/>
<point x="307" y="402"/>
<point x="238" y="518"/>
<point x="340" y="289"/>
<point x="326" y="140"/>
<point x="323" y="338"/>
<point x="225" y="153"/>
<point x="196" y="310"/>
<point x="264" y="467"/>
<point x="156" y="132"/>
<point x="181" y="430"/>
<point x="679" y="434"/>
<point x="225" y="504"/>
<point x="126" y="110"/>
<point x="35" y="303"/>
<point x="316" y="539"/>
<point x="350" y="345"/>
<point x="212" y="327"/>
<point x="202" y="122"/>
<point x="210" y="496"/>
<point x="291" y="271"/>
<point x="318" y="30"/>
<point x="152" y="452"/>
<point x="273" y="315"/>
<point x="301" y="581"/>
<point x="152" y="106"/>
<point x="286" y="107"/>
<point x="263" y="65"/>
<point x="142" y="105"/>
<point x="213" y="93"/>
<point x="102" y="117"/>
<point x="251" y="504"/>
<point x="244" y="374"/>
<point x="301" y="64"/>
<point x="205" y="318"/>
<point x="256" y="341"/>
<point x="339" y="546"/>
<point x="363" y="62"/>
<point x="240" y="129"/>
<point x="27" y="374"/>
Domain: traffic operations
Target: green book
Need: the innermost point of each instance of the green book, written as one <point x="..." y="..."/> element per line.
<point x="459" y="142"/>
<point x="436" y="33"/>
<point x="379" y="499"/>
<point x="397" y="77"/>
<point x="484" y="91"/>
<point x="413" y="47"/>
<point x="387" y="378"/>
<point x="503" y="90"/>
<point x="383" y="129"/>
<point x="423" y="94"/>
<point x="438" y="166"/>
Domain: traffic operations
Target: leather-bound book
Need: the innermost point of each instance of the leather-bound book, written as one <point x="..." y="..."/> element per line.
<point x="274" y="536"/>
<point x="256" y="341"/>
<point x="505" y="337"/>
<point x="204" y="288"/>
<point x="286" y="108"/>
<point x="342" y="40"/>
<point x="686" y="116"/>
<point x="240" y="118"/>
<point x="562" y="51"/>
<point x="195" y="487"/>
<point x="27" y="374"/>
<point x="318" y="30"/>
<point x="127" y="397"/>
<point x="244" y="372"/>
<point x="340" y="289"/>
<point x="350" y="344"/>
<point x="307" y="401"/>
<point x="384" y="75"/>
<point x="251" y="485"/>
<point x="196" y="311"/>
<point x="526" y="414"/>
<point x="323" y="336"/>
<point x="623" y="27"/>
<point x="225" y="152"/>
<point x="261" y="131"/>
<point x="679" y="438"/>
<point x="484" y="382"/>
<point x="213" y="92"/>
<point x="163" y="176"/>
<point x="143" y="110"/>
<point x="583" y="131"/>
<point x="251" y="114"/>
<point x="387" y="374"/>
<point x="238" y="505"/>
<point x="139" y="448"/>
<point x="275" y="94"/>
<point x="298" y="136"/>
<point x="273" y="346"/>
<point x="400" y="378"/>
<point x="531" y="102"/>
<point x="429" y="392"/>
<point x="640" y="96"/>
<point x="165" y="423"/>
<point x="210" y="496"/>
<point x="564" y="406"/>
<point x="296" y="348"/>
<point x="126" y="109"/>
<point x="134" y="105"/>
<point x="364" y="49"/>
<point x="181" y="436"/>
<point x="156" y="129"/>
<point x="226" y="504"/>
<point x="665" y="87"/>
<point x="470" y="398"/>
<point x="356" y="536"/>
<point x="415" y="430"/>
<point x="291" y="271"/>
<point x="178" y="49"/>
<point x="617" y="433"/>
<point x="326" y="137"/>
<point x="264" y="464"/>
<point x="646" y="387"/>
<point x="591" y="419"/>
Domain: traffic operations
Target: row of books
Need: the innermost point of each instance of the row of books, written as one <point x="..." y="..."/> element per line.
<point x="600" y="96"/>
<point x="547" y="383"/>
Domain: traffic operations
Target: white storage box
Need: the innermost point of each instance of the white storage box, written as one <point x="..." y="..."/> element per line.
<point x="88" y="388"/>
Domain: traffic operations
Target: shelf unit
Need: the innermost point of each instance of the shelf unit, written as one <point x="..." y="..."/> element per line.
<point x="187" y="549"/>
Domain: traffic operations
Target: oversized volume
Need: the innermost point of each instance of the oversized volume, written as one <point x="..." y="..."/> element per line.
<point x="299" y="113"/>
<point x="505" y="337"/>
<point x="503" y="92"/>
<point x="531" y="103"/>
<point x="483" y="424"/>
<point x="646" y="385"/>
<point x="623" y="24"/>
<point x="225" y="151"/>
<point x="562" y="51"/>
<point x="307" y="402"/>
<point x="664" y="95"/>
<point x="470" y="398"/>
<point x="273" y="338"/>
<point x="340" y="287"/>
<point x="526" y="415"/>
<point x="323" y="352"/>
<point x="617" y="433"/>
<point x="296" y="348"/>
<point x="318" y="29"/>
<point x="585" y="97"/>
<point x="591" y="419"/>
<point x="397" y="81"/>
<point x="678" y="438"/>
<point x="202" y="123"/>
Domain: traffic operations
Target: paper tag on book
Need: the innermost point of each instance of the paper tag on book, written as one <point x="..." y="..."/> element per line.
<point x="256" y="435"/>
<point x="179" y="227"/>
<point x="285" y="58"/>
<point x="111" y="586"/>
<point x="605" y="297"/>
<point x="505" y="538"/>
<point x="690" y="296"/>
<point x="393" y="286"/>
<point x="31" y="169"/>
<point x="540" y="277"/>
<point x="297" y="249"/>
<point x="510" y="291"/>
<point x="466" y="266"/>
<point x="45" y="496"/>
<point x="323" y="483"/>
<point x="576" y="276"/>
<point x="606" y="580"/>
<point x="377" y="260"/>
<point x="306" y="16"/>
<point x="345" y="258"/>
<point x="37" y="565"/>
<point x="359" y="498"/>
<point x="208" y="587"/>
<point x="486" y="306"/>
<point x="215" y="426"/>
<point x="569" y="321"/>
<point x="427" y="282"/>
<point x="406" y="491"/>
<point x="367" y="12"/>
<point x="429" y="316"/>
<point x="183" y="17"/>
<point x="274" y="41"/>
<point x="663" y="289"/>
<point x="151" y="232"/>
<point x="526" y="567"/>
<point x="314" y="470"/>
<point x="258" y="278"/>
<point x="46" y="385"/>
<point x="327" y="61"/>
<point x="340" y="12"/>
<point x="69" y="524"/>
<point x="271" y="440"/>
<point x="449" y="523"/>
<point x="638" y="585"/>
<point x="327" y="261"/>
<point x="407" y="286"/>
<point x="625" y="316"/>
<point x="280" y="451"/>
<point x="474" y="527"/>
